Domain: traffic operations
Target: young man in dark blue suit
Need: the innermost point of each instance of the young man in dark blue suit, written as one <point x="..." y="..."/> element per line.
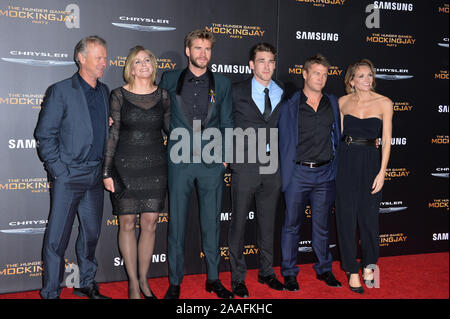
<point x="200" y="100"/>
<point x="309" y="135"/>
<point x="256" y="105"/>
<point x="72" y="132"/>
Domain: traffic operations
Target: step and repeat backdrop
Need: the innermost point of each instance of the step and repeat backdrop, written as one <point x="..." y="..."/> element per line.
<point x="408" y="42"/>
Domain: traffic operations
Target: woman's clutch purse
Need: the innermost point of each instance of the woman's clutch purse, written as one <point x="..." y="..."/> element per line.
<point x="119" y="185"/>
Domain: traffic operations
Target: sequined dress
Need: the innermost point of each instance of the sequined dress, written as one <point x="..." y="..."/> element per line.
<point x="136" y="149"/>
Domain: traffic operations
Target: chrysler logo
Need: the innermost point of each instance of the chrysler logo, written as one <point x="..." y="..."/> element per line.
<point x="391" y="209"/>
<point x="147" y="28"/>
<point x="393" y="77"/>
<point x="24" y="231"/>
<point x="38" y="62"/>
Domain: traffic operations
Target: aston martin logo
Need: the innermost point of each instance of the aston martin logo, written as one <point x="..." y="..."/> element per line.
<point x="393" y="77"/>
<point x="24" y="231"/>
<point x="147" y="28"/>
<point x="39" y="62"/>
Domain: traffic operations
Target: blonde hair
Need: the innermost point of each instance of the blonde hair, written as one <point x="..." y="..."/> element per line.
<point x="316" y="59"/>
<point x="128" y="77"/>
<point x="351" y="70"/>
<point x="199" y="34"/>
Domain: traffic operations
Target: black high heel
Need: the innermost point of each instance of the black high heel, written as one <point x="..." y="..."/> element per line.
<point x="359" y="290"/>
<point x="148" y="297"/>
<point x="145" y="296"/>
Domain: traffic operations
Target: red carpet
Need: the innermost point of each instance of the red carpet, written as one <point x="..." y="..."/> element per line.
<point x="424" y="276"/>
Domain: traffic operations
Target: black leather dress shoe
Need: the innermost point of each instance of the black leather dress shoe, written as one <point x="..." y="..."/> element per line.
<point x="217" y="287"/>
<point x="173" y="292"/>
<point x="329" y="279"/>
<point x="91" y="292"/>
<point x="239" y="289"/>
<point x="291" y="284"/>
<point x="271" y="281"/>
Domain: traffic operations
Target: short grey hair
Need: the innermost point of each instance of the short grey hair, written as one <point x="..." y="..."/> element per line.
<point x="83" y="43"/>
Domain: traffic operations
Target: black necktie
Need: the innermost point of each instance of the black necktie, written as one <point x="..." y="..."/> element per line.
<point x="267" y="105"/>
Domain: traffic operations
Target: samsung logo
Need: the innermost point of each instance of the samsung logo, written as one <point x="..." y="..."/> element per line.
<point x="440" y="236"/>
<point x="398" y="141"/>
<point x="156" y="258"/>
<point x="227" y="216"/>
<point x="395" y="6"/>
<point x="22" y="143"/>
<point x="231" y="68"/>
<point x="443" y="108"/>
<point x="317" y="36"/>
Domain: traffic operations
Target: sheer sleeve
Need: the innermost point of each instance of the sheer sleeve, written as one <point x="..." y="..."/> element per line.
<point x="115" y="105"/>
<point x="165" y="99"/>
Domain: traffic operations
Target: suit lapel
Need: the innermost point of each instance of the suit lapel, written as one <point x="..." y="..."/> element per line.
<point x="294" y="113"/>
<point x="252" y="103"/>
<point x="336" y="129"/>
<point x="106" y="105"/>
<point x="211" y="97"/>
<point x="82" y="102"/>
<point x="180" y="102"/>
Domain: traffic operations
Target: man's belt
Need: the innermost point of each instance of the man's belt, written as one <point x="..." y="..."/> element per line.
<point x="312" y="164"/>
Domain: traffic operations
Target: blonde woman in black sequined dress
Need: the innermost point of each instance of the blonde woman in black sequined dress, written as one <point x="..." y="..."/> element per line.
<point x="136" y="159"/>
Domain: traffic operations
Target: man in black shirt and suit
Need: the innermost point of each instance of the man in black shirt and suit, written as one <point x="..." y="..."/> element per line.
<point x="309" y="135"/>
<point x="200" y="100"/>
<point x="255" y="106"/>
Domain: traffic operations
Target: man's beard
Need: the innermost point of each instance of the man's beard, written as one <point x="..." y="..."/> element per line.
<point x="194" y="63"/>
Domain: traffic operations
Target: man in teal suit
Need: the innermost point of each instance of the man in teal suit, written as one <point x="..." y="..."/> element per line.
<point x="201" y="102"/>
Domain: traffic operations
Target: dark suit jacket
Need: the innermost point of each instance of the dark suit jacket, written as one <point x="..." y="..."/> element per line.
<point x="64" y="130"/>
<point x="219" y="107"/>
<point x="247" y="115"/>
<point x="288" y="135"/>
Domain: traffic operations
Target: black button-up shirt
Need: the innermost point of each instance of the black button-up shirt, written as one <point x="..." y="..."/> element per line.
<point x="195" y="94"/>
<point x="96" y="105"/>
<point x="314" y="131"/>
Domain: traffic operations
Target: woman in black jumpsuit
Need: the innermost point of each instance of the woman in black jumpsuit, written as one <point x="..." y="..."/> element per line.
<point x="366" y="117"/>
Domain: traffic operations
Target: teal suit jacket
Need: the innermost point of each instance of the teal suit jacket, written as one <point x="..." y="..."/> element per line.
<point x="220" y="112"/>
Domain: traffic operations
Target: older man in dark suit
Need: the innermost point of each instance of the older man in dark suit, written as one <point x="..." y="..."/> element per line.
<point x="72" y="134"/>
